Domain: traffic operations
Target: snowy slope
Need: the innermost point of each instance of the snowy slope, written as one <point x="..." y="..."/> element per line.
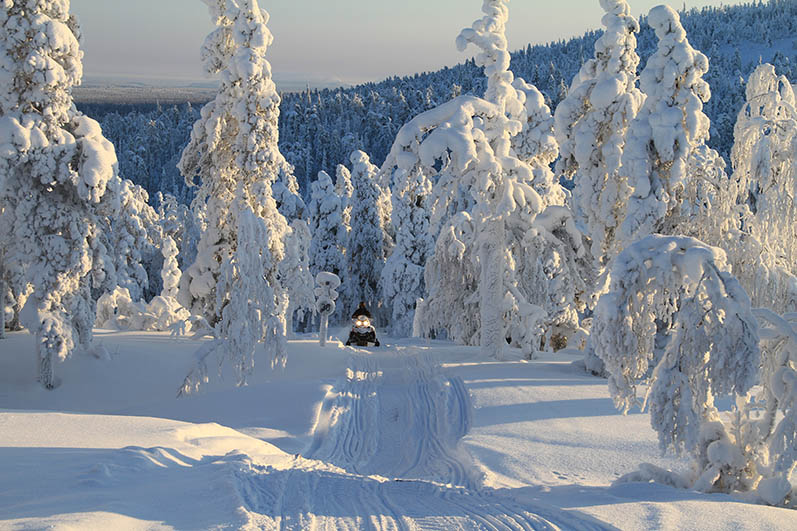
<point x="413" y="436"/>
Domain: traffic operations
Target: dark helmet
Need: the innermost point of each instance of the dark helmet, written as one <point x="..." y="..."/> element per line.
<point x="361" y="311"/>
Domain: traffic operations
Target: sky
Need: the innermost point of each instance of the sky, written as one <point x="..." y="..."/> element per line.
<point x="319" y="41"/>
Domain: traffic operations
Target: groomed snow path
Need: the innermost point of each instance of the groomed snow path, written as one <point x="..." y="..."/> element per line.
<point x="386" y="454"/>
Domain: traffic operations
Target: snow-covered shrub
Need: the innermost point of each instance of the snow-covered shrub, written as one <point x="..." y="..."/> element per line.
<point x="591" y="125"/>
<point x="57" y="175"/>
<point x="677" y="323"/>
<point x="772" y="434"/>
<point x="369" y="243"/>
<point x="669" y="127"/>
<point x="234" y="281"/>
<point x="326" y="296"/>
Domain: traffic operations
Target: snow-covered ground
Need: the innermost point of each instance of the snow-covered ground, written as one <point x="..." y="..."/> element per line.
<point x="415" y="435"/>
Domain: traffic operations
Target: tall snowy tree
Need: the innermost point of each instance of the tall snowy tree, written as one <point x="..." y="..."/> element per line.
<point x="401" y="283"/>
<point x="234" y="281"/>
<point x="512" y="249"/>
<point x="135" y="237"/>
<point x="763" y="154"/>
<point x="329" y="233"/>
<point x="369" y="242"/>
<point x="55" y="170"/>
<point x="591" y="125"/>
<point x="295" y="273"/>
<point x="668" y="129"/>
<point x="344" y="189"/>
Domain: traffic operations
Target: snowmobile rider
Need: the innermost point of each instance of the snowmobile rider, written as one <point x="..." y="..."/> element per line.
<point x="362" y="332"/>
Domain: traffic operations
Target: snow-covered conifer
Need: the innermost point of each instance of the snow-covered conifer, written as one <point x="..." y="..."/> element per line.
<point x="234" y="281"/>
<point x="295" y="273"/>
<point x="170" y="274"/>
<point x="327" y="228"/>
<point x="669" y="127"/>
<point x="468" y="141"/>
<point x="56" y="178"/>
<point x="591" y="125"/>
<point x="286" y="193"/>
<point x="369" y="242"/>
<point x="401" y="283"/>
<point x="763" y="154"/>
<point x="344" y="189"/>
<point x="135" y="237"/>
<point x="677" y="323"/>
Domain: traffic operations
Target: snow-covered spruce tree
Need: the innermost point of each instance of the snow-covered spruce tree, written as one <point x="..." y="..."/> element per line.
<point x="135" y="237"/>
<point x="469" y="143"/>
<point x="286" y="193"/>
<point x="234" y="281"/>
<point x="451" y="276"/>
<point x="344" y="189"/>
<point x="329" y="234"/>
<point x="676" y="322"/>
<point x="295" y="274"/>
<point x="669" y="127"/>
<point x="182" y="225"/>
<point x="55" y="169"/>
<point x="401" y="283"/>
<point x="591" y="125"/>
<point x="369" y="242"/>
<point x="765" y="144"/>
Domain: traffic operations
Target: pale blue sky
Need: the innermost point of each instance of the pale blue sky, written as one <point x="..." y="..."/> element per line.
<point x="320" y="40"/>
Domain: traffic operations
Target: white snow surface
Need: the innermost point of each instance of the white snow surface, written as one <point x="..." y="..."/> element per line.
<point x="414" y="435"/>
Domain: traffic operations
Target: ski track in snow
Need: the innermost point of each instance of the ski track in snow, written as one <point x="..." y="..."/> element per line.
<point x="386" y="455"/>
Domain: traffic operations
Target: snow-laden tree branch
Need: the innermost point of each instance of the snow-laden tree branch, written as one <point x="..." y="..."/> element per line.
<point x="676" y="323"/>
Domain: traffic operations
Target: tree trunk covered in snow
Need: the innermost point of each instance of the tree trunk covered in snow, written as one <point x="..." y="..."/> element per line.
<point x="491" y="289"/>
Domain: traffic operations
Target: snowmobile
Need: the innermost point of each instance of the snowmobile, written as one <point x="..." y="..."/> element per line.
<point x="362" y="334"/>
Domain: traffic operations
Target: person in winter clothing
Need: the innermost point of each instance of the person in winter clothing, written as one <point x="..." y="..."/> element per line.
<point x="362" y="332"/>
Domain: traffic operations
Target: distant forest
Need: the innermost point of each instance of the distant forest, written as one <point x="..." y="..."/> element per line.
<point x="320" y="128"/>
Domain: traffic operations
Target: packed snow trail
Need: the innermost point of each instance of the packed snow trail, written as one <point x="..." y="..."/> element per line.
<point x="386" y="455"/>
<point x="398" y="415"/>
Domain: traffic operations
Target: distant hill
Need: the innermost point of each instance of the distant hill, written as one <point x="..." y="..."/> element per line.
<point x="320" y="128"/>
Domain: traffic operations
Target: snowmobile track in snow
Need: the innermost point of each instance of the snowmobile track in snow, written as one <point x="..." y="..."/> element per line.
<point x="387" y="454"/>
<point x="398" y="416"/>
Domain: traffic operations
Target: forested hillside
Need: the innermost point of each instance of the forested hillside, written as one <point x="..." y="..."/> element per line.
<point x="320" y="128"/>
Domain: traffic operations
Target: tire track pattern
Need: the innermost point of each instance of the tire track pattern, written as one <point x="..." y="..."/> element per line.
<point x="397" y="416"/>
<point x="387" y="455"/>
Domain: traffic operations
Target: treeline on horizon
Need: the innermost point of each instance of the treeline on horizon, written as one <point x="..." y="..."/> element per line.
<point x="320" y="128"/>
